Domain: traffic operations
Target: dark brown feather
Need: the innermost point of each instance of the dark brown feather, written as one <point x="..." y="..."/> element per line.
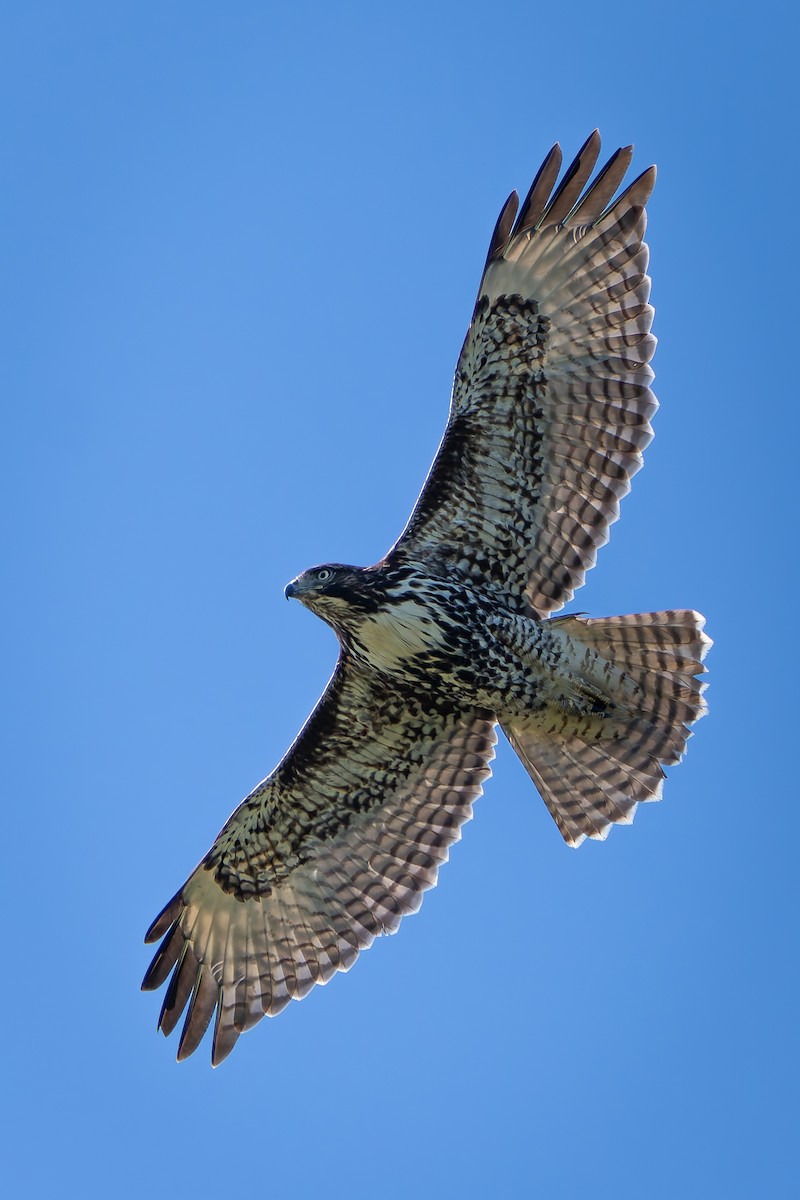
<point x="201" y="1010"/>
<point x="606" y="182"/>
<point x="535" y="202"/>
<point x="502" y="229"/>
<point x="571" y="186"/>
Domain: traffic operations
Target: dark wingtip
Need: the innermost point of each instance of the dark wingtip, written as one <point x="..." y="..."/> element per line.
<point x="594" y="201"/>
<point x="168" y="916"/>
<point x="539" y="192"/>
<point x="576" y="176"/>
<point x="205" y="997"/>
<point x="165" y="958"/>
<point x="178" y="991"/>
<point x="502" y="230"/>
<point x="639" y="192"/>
<point x="225" y="1038"/>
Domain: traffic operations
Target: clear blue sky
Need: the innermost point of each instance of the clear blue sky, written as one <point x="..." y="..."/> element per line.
<point x="241" y="245"/>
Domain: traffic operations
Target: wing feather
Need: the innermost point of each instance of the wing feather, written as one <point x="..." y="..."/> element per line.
<point x="551" y="403"/>
<point x="536" y="200"/>
<point x="606" y="182"/>
<point x="502" y="230"/>
<point x="328" y="853"/>
<point x="566" y="194"/>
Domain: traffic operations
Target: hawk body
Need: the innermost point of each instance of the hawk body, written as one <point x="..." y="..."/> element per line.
<point x="430" y="633"/>
<point x="453" y="632"/>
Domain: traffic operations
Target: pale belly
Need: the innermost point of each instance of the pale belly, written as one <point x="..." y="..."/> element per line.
<point x="396" y="637"/>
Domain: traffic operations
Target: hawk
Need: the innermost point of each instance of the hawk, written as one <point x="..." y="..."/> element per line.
<point x="452" y="633"/>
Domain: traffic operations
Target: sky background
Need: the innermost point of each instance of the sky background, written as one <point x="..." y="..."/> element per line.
<point x="241" y="244"/>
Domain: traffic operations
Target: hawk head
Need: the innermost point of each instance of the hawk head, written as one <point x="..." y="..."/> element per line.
<point x="339" y="594"/>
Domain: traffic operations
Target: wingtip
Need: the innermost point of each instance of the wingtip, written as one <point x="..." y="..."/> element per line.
<point x="163" y="961"/>
<point x="512" y="203"/>
<point x="168" y="915"/>
<point x="539" y="192"/>
<point x="204" y="999"/>
<point x="502" y="229"/>
<point x="567" y="195"/>
<point x="640" y="190"/>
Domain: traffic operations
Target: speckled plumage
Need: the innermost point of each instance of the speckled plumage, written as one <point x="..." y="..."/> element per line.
<point x="453" y="633"/>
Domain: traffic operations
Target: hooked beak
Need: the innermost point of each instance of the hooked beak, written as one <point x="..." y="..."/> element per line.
<point x="290" y="590"/>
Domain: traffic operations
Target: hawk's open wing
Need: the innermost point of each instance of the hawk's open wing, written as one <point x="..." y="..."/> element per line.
<point x="551" y="403"/>
<point x="326" y="854"/>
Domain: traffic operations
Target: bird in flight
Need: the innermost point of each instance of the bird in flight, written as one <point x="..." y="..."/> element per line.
<point x="452" y="633"/>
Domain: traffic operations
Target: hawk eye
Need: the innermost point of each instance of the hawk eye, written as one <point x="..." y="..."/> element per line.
<point x="324" y="575"/>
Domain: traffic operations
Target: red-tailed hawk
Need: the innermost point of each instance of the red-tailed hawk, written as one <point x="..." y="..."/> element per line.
<point x="452" y="633"/>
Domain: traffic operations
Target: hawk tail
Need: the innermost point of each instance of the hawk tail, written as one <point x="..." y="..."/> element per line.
<point x="639" y="675"/>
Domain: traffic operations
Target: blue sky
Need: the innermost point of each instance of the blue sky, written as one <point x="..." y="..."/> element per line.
<point x="241" y="246"/>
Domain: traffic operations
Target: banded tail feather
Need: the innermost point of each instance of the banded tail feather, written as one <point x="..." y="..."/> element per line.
<point x="593" y="770"/>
